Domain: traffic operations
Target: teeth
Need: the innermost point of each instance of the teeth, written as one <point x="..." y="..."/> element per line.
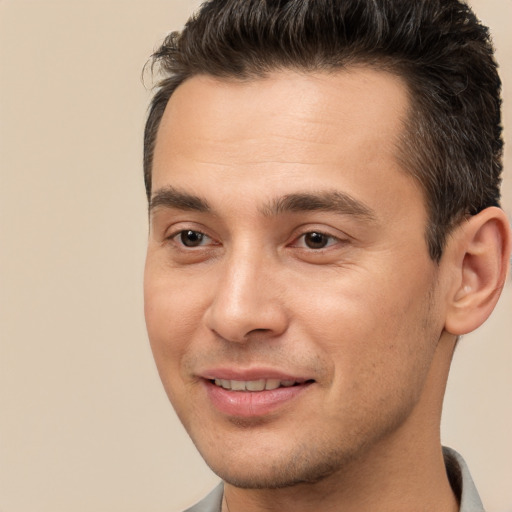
<point x="253" y="385"/>
<point x="272" y="384"/>
<point x="238" y="385"/>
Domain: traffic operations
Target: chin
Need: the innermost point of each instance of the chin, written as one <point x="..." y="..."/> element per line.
<point x="287" y="470"/>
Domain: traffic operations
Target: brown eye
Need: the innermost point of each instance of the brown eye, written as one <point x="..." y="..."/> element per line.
<point x="316" y="240"/>
<point x="190" y="238"/>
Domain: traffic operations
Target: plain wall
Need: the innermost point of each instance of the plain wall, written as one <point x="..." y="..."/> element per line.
<point x="84" y="423"/>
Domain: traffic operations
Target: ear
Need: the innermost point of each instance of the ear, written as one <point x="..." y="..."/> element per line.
<point x="479" y="255"/>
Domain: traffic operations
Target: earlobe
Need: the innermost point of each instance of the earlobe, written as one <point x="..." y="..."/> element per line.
<point x="480" y="254"/>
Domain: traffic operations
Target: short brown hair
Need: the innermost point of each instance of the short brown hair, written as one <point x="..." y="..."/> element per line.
<point x="452" y="143"/>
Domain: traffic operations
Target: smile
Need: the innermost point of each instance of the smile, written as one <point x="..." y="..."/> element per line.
<point x="254" y="385"/>
<point x="254" y="397"/>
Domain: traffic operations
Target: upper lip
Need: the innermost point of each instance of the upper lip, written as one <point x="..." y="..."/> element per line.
<point x="251" y="374"/>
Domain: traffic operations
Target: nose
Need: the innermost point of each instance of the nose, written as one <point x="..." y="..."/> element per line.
<point x="246" y="302"/>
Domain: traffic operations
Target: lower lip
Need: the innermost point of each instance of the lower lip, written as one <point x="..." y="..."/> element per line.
<point x="251" y="404"/>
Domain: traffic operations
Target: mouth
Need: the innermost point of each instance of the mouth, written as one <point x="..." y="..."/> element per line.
<point x="257" y="385"/>
<point x="255" y="397"/>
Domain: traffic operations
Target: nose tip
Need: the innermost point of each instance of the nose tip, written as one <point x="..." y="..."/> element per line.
<point x="245" y="306"/>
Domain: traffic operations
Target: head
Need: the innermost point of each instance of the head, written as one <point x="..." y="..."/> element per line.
<point x="451" y="141"/>
<point x="308" y="166"/>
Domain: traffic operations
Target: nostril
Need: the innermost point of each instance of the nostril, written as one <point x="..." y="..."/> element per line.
<point x="257" y="331"/>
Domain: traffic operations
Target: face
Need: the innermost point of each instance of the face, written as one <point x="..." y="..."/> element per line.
<point x="290" y="301"/>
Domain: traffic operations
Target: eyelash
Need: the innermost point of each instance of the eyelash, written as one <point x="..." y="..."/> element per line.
<point x="178" y="237"/>
<point x="329" y="239"/>
<point x="325" y="240"/>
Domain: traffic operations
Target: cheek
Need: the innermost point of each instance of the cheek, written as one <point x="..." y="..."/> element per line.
<point x="171" y="321"/>
<point x="374" y="327"/>
<point x="173" y="313"/>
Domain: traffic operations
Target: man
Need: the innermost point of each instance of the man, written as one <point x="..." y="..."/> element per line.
<point x="323" y="183"/>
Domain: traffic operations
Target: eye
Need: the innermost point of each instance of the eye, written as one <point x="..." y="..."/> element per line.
<point x="191" y="238"/>
<point x="317" y="240"/>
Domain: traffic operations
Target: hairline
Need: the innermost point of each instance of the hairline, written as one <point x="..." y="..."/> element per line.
<point x="385" y="64"/>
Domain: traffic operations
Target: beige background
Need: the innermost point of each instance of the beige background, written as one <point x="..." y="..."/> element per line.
<point x="84" y="423"/>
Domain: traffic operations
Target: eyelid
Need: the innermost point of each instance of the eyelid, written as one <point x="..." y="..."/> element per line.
<point x="181" y="253"/>
<point x="173" y="231"/>
<point x="178" y="226"/>
<point x="206" y="239"/>
<point x="300" y="241"/>
<point x="331" y="233"/>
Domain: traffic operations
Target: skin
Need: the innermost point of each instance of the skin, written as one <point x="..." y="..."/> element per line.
<point x="364" y="317"/>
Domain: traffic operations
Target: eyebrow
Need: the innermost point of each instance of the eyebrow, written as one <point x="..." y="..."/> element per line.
<point x="170" y="197"/>
<point x="327" y="201"/>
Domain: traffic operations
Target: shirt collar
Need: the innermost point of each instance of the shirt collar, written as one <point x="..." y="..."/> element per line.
<point x="461" y="482"/>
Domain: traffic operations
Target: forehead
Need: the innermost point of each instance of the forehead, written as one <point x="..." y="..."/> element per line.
<point x="289" y="129"/>
<point x="314" y="106"/>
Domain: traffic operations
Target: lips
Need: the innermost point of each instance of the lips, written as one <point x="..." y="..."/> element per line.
<point x="254" y="393"/>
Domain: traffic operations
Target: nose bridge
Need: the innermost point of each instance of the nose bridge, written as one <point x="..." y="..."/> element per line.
<point x="244" y="300"/>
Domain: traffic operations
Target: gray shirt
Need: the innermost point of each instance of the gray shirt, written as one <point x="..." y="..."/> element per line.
<point x="457" y="470"/>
